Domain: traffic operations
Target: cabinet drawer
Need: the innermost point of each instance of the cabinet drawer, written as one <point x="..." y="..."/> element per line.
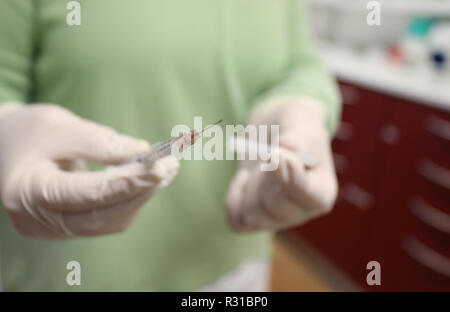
<point x="339" y="236"/>
<point x="436" y="126"/>
<point x="392" y="158"/>
<point x="409" y="234"/>
<point x="355" y="144"/>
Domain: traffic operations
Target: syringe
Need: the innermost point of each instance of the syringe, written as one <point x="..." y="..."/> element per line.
<point x="244" y="147"/>
<point x="183" y="141"/>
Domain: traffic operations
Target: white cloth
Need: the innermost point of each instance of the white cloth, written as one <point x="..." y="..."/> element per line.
<point x="251" y="276"/>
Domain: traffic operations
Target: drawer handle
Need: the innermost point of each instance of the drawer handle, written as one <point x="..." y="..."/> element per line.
<point x="357" y="196"/>
<point x="435" y="174"/>
<point x="345" y="132"/>
<point x="349" y="95"/>
<point x="340" y="163"/>
<point x="426" y="256"/>
<point x="435" y="218"/>
<point x="438" y="127"/>
<point x="389" y="134"/>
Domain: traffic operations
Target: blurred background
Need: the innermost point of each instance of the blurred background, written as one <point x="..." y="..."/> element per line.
<point x="392" y="153"/>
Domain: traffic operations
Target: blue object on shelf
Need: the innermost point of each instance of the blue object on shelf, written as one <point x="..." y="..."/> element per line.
<point x="439" y="59"/>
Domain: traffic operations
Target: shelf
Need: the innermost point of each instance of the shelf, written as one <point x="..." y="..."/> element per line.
<point x="375" y="73"/>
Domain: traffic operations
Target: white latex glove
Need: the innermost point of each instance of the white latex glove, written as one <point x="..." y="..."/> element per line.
<point x="290" y="195"/>
<point x="44" y="186"/>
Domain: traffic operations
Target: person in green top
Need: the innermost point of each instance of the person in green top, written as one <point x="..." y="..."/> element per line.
<point x="140" y="67"/>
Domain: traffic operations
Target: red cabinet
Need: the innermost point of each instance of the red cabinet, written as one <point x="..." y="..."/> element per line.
<point x="392" y="158"/>
<point x="411" y="237"/>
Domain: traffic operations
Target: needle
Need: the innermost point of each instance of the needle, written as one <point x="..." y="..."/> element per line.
<point x="209" y="126"/>
<point x="165" y="149"/>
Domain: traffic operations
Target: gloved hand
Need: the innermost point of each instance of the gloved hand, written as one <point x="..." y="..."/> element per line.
<point x="44" y="186"/>
<point x="290" y="195"/>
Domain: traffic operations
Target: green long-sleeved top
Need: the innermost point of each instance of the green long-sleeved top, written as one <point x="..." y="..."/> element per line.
<point x="141" y="67"/>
